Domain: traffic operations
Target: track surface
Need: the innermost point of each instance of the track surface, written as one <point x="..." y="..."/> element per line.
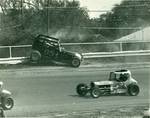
<point x="43" y="90"/>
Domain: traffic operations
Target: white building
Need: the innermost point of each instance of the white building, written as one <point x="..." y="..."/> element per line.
<point x="141" y="35"/>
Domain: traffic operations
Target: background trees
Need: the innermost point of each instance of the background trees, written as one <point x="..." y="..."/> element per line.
<point x="21" y="20"/>
<point x="130" y="13"/>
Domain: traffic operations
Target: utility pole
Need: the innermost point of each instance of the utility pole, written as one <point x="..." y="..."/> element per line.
<point x="47" y="17"/>
<point x="21" y="12"/>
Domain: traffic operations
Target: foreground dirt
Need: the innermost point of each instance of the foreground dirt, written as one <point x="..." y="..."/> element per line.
<point x="119" y="112"/>
<point x="49" y="92"/>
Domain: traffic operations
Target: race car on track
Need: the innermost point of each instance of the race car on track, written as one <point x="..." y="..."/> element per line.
<point x="6" y="101"/>
<point x="120" y="82"/>
<point x="49" y="48"/>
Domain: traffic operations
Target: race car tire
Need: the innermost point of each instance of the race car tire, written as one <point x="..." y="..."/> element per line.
<point x="133" y="89"/>
<point x="75" y="62"/>
<point x="7" y="103"/>
<point x="81" y="89"/>
<point x="95" y="92"/>
<point x="35" y="56"/>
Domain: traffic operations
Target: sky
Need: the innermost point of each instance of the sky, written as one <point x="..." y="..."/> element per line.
<point x="98" y="5"/>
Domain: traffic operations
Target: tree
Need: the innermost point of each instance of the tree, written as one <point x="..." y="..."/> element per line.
<point x="34" y="17"/>
<point x="130" y="13"/>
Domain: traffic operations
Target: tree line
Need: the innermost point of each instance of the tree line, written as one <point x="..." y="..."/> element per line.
<point x="22" y="20"/>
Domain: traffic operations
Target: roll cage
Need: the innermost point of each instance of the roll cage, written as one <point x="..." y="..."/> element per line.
<point x="119" y="76"/>
<point x="46" y="41"/>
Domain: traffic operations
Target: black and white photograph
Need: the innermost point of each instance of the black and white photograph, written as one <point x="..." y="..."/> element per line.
<point x="74" y="58"/>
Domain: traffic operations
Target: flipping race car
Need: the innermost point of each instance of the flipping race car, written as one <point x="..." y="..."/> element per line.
<point x="49" y="48"/>
<point x="120" y="82"/>
<point x="6" y="101"/>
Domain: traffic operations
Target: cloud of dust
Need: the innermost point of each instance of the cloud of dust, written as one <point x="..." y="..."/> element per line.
<point x="69" y="35"/>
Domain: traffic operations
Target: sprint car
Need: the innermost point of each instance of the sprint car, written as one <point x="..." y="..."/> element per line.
<point x="120" y="82"/>
<point x="6" y="100"/>
<point x="46" y="48"/>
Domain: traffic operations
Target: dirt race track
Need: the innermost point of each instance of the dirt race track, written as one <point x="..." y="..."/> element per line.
<point x="44" y="90"/>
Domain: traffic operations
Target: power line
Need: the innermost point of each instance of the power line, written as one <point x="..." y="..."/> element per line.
<point x="92" y="10"/>
<point x="144" y="5"/>
<point x="126" y="28"/>
<point x="98" y="10"/>
<point x="11" y="27"/>
<point x="134" y="0"/>
<point x="111" y="28"/>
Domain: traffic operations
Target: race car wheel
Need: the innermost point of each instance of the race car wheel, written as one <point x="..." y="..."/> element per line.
<point x="7" y="103"/>
<point x="133" y="89"/>
<point x="95" y="92"/>
<point x="35" y="56"/>
<point x="81" y="89"/>
<point x="76" y="62"/>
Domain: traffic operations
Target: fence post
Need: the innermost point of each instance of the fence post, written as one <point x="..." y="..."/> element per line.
<point x="120" y="46"/>
<point x="10" y="54"/>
